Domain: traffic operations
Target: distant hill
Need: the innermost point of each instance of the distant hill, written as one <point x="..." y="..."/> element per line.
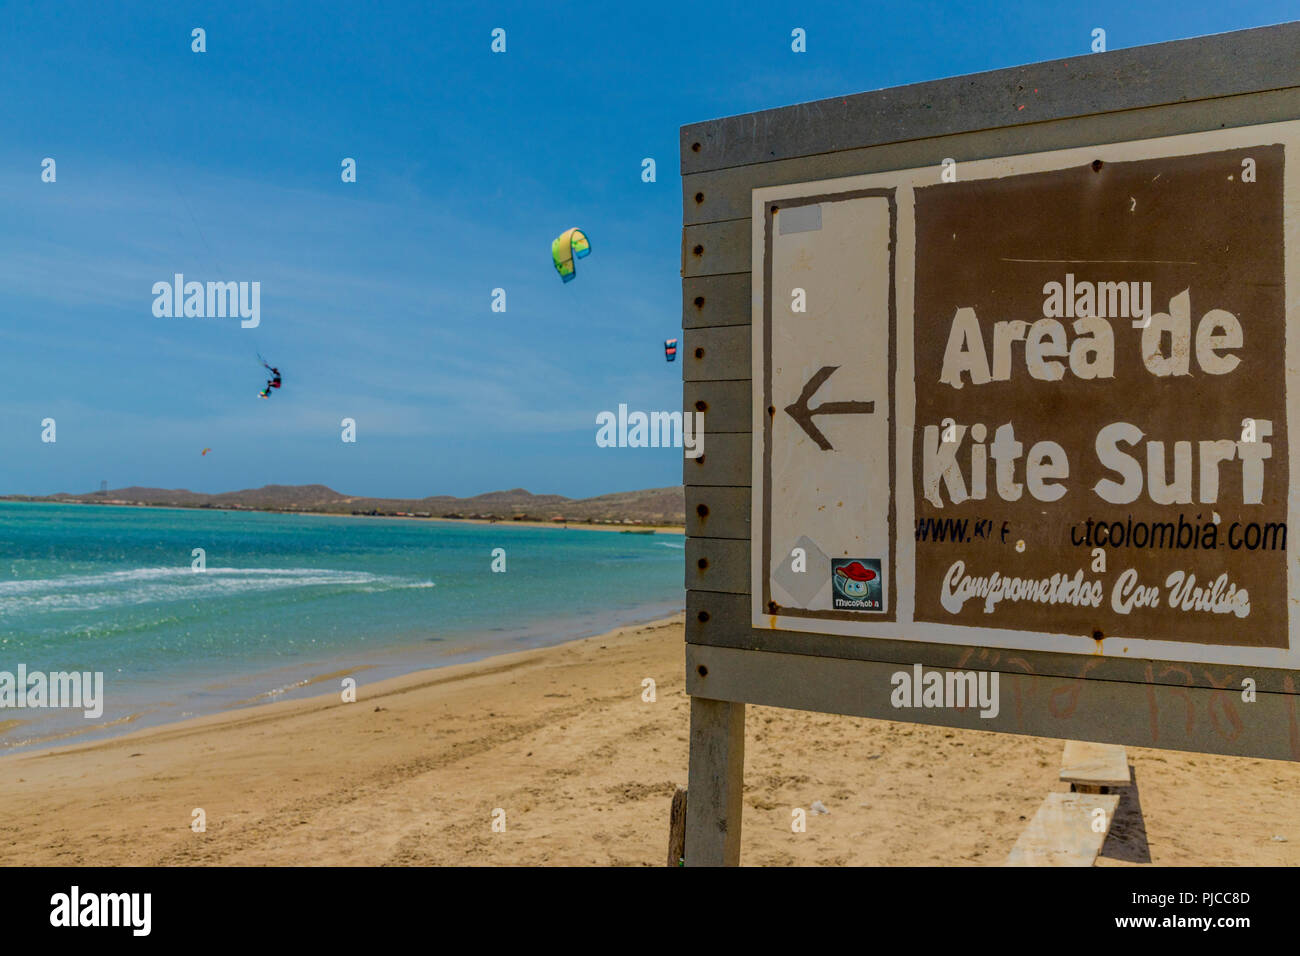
<point x="653" y="506"/>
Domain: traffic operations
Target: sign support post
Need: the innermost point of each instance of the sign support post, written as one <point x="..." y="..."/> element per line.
<point x="715" y="783"/>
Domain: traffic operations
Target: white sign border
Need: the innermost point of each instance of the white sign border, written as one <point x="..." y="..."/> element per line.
<point x="904" y="628"/>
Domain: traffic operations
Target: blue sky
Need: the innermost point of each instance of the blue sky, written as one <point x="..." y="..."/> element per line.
<point x="376" y="295"/>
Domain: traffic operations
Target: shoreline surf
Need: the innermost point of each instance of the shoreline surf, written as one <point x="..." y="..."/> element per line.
<point x="242" y="691"/>
<point x="184" y="612"/>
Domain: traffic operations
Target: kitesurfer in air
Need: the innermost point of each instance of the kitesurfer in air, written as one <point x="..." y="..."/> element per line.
<point x="273" y="382"/>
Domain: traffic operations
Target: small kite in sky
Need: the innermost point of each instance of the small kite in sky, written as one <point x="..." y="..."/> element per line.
<point x="273" y="382"/>
<point x="670" y="350"/>
<point x="569" y="245"/>
<point x="204" y="452"/>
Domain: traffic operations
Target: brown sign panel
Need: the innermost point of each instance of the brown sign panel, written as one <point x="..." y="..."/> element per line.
<point x="1101" y="442"/>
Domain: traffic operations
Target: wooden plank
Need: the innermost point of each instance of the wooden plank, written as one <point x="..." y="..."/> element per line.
<point x="716" y="248"/>
<point x="716" y="300"/>
<point x="719" y="619"/>
<point x="728" y="190"/>
<point x="725" y="568"/>
<point x="1226" y="64"/>
<point x="716" y="355"/>
<point x="725" y="461"/>
<point x="1061" y="832"/>
<point x="715" y="782"/>
<point x="713" y="564"/>
<point x="677" y="829"/>
<point x="1105" y="711"/>
<point x="717" y="512"/>
<point x="726" y="405"/>
<point x="1094" y="765"/>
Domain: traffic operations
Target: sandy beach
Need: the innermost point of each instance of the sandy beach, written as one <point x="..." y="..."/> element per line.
<point x="561" y="740"/>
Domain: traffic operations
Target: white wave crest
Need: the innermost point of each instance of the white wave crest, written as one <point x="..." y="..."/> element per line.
<point x="89" y="592"/>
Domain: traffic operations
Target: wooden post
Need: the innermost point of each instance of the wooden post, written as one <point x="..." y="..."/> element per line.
<point x="715" y="783"/>
<point x="677" y="829"/>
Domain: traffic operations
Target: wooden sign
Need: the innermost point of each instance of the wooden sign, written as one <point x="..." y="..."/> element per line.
<point x="998" y="374"/>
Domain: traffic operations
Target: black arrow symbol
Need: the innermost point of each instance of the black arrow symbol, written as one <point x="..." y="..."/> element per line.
<point x="802" y="414"/>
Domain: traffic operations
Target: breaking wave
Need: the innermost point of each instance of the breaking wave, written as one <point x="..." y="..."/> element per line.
<point x="89" y="592"/>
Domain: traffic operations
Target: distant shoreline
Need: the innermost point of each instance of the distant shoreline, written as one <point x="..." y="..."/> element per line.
<point x="629" y="527"/>
<point x="568" y="526"/>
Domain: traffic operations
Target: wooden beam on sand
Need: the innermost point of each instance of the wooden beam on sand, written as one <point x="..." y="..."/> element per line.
<point x="1061" y="832"/>
<point x="1094" y="768"/>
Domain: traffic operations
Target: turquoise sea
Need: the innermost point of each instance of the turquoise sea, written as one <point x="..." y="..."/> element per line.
<point x="286" y="599"/>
